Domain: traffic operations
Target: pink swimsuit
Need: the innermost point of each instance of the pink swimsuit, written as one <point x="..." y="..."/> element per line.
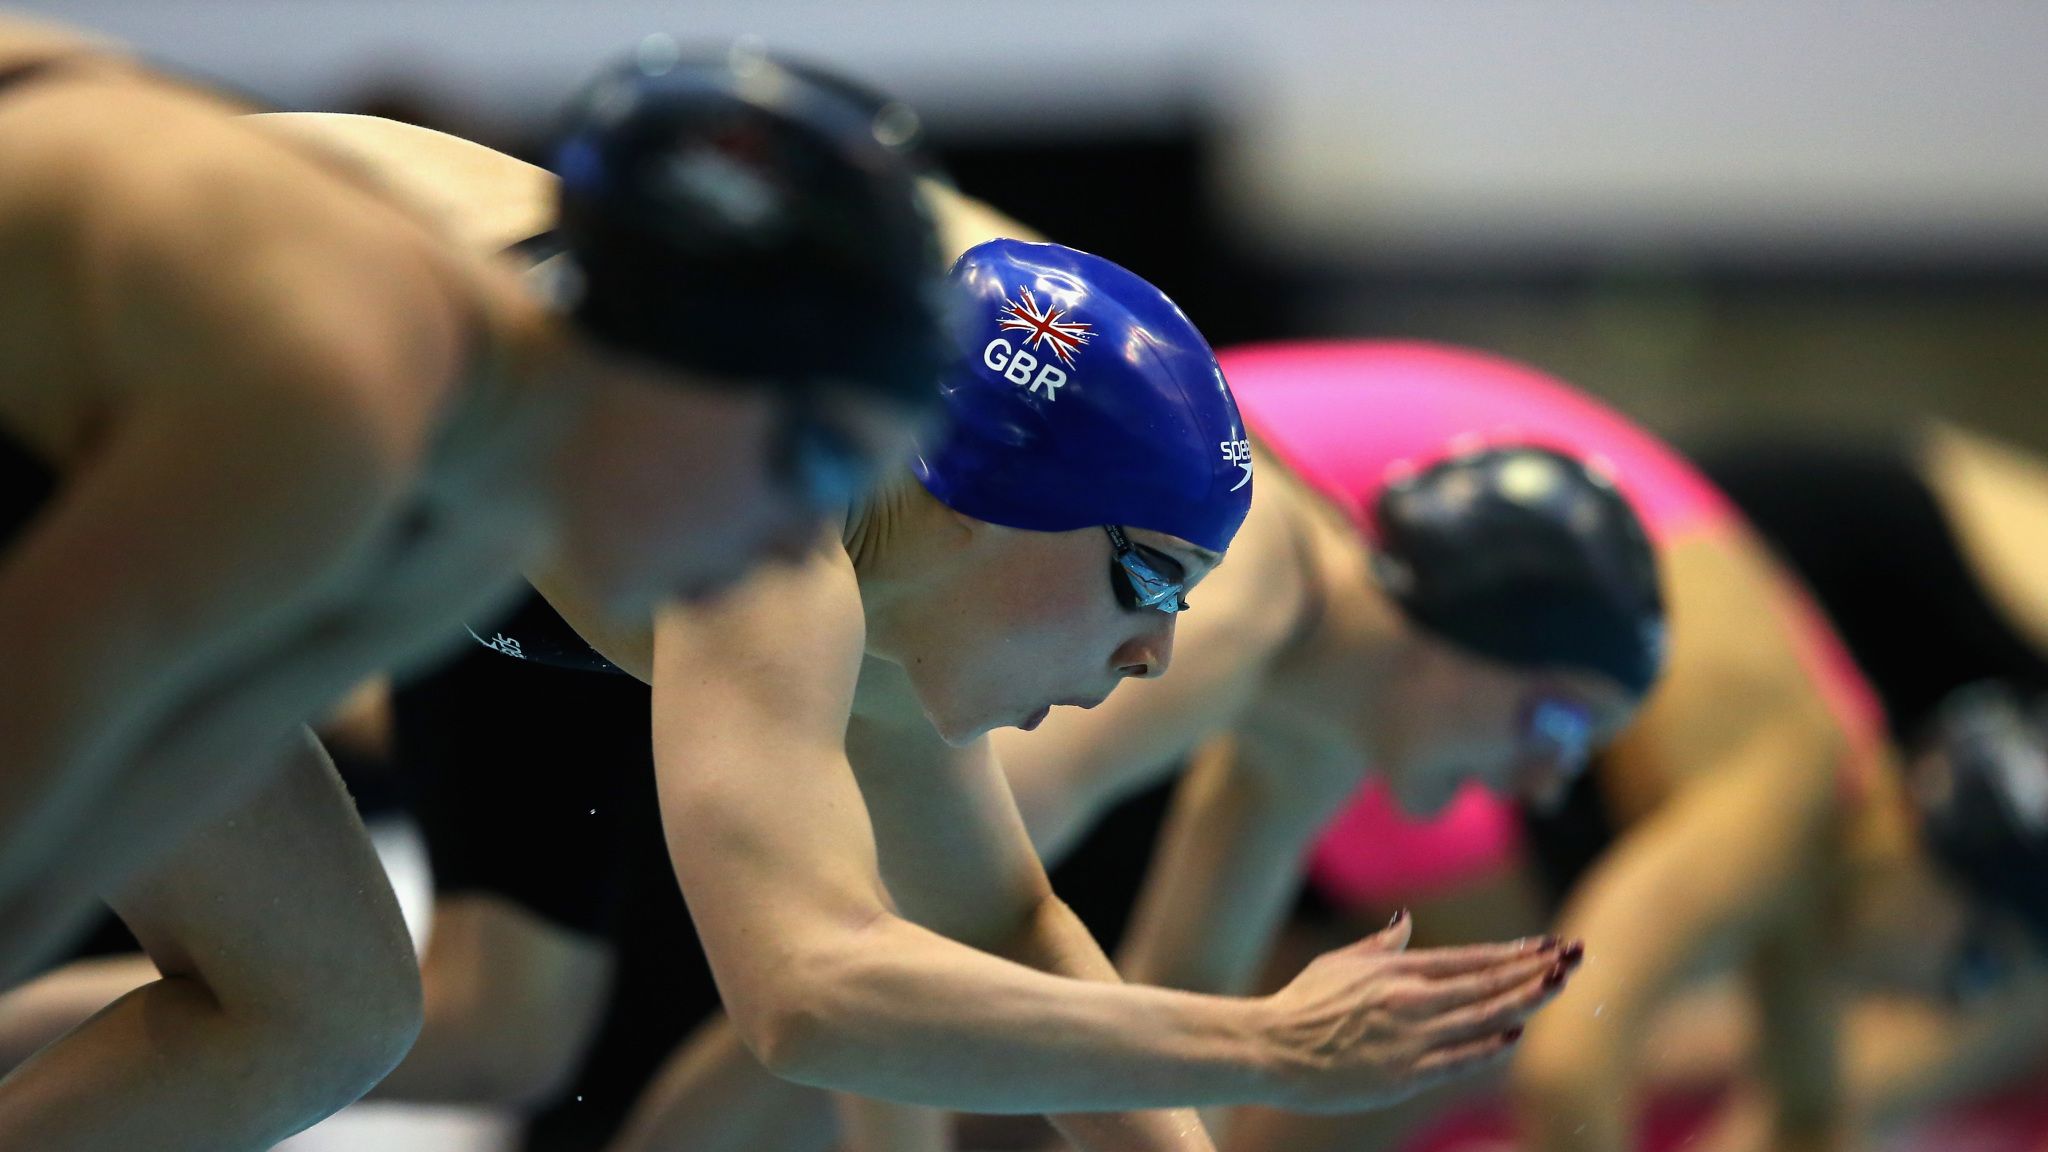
<point x="1347" y="415"/>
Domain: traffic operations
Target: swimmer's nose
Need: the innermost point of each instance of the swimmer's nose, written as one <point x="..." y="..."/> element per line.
<point x="1146" y="656"/>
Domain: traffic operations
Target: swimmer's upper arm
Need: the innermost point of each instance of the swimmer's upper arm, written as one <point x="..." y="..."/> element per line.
<point x="766" y="825"/>
<point x="1724" y="866"/>
<point x="1228" y="863"/>
<point x="1734" y="855"/>
<point x="1078" y="763"/>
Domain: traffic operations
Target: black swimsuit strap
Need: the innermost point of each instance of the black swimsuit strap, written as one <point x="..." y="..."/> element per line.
<point x="537" y="247"/>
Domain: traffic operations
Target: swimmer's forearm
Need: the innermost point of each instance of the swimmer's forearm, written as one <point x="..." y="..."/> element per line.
<point x="48" y="1007"/>
<point x="1226" y="870"/>
<point x="897" y="1012"/>
<point x="1573" y="1083"/>
<point x="1060" y="943"/>
<point x="179" y="1066"/>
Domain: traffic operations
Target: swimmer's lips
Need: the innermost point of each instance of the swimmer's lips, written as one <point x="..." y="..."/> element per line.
<point x="1036" y="718"/>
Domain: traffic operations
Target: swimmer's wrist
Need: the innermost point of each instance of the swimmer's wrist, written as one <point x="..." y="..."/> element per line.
<point x="1278" y="1070"/>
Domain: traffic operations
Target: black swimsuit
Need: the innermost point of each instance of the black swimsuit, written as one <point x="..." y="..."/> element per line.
<point x="1866" y="534"/>
<point x="535" y="631"/>
<point x="26" y="484"/>
<point x="1863" y="531"/>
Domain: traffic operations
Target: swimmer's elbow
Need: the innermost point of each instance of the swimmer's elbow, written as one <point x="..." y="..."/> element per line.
<point x="787" y="1025"/>
<point x="788" y="1039"/>
<point x="791" y="1034"/>
<point x="805" y="1022"/>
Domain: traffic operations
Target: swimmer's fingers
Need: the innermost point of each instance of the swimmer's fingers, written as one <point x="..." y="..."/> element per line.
<point x="1444" y="995"/>
<point x="1474" y="958"/>
<point x="1503" y="1012"/>
<point x="1456" y="1061"/>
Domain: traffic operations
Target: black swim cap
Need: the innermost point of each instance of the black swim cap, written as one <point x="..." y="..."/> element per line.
<point x="739" y="220"/>
<point x="1981" y="788"/>
<point x="1525" y="556"/>
<point x="894" y="124"/>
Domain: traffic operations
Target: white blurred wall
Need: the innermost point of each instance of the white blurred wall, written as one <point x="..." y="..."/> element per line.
<point x="1416" y="130"/>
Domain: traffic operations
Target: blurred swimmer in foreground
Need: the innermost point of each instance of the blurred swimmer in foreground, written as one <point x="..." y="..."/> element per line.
<point x="270" y="430"/>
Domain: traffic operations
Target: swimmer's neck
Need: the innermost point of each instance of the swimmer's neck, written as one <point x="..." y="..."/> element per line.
<point x="902" y="543"/>
<point x="519" y="404"/>
<point x="1349" y="653"/>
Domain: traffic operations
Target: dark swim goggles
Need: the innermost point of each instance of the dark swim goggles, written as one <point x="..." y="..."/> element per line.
<point x="1145" y="577"/>
<point x="1560" y="731"/>
<point x="819" y="463"/>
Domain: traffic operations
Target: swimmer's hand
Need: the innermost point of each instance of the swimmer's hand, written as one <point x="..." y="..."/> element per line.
<point x="1371" y="1024"/>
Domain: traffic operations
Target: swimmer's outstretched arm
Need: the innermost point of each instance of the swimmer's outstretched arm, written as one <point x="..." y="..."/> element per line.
<point x="1732" y="865"/>
<point x="955" y="859"/>
<point x="1228" y="863"/>
<point x="829" y="985"/>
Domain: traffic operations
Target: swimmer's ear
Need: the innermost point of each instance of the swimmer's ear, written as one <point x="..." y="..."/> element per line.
<point x="1393" y="938"/>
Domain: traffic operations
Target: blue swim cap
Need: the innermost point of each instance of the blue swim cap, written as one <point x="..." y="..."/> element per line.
<point x="1079" y="396"/>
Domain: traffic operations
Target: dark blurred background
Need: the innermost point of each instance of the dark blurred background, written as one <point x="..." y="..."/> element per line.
<point x="1810" y="212"/>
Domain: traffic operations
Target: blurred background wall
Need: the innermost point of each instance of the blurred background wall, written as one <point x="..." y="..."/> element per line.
<point x="1748" y="214"/>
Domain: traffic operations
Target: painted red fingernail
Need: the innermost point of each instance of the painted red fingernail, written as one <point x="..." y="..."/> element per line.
<point x="1574" y="952"/>
<point x="1398" y="917"/>
<point x="1512" y="1034"/>
<point x="1555" y="976"/>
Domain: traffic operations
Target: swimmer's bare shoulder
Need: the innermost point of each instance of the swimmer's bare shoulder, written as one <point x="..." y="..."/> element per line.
<point x="187" y="257"/>
<point x="1736" y="678"/>
<point x="965" y="222"/>
<point x="23" y="39"/>
<point x="486" y="200"/>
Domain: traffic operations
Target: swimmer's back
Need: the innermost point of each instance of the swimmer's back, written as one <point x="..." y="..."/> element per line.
<point x="148" y="235"/>
<point x="1342" y="413"/>
<point x="24" y="41"/>
<point x="484" y="199"/>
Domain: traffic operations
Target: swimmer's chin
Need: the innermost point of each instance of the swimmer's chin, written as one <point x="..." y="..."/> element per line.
<point x="961" y="735"/>
<point x="957" y="735"/>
